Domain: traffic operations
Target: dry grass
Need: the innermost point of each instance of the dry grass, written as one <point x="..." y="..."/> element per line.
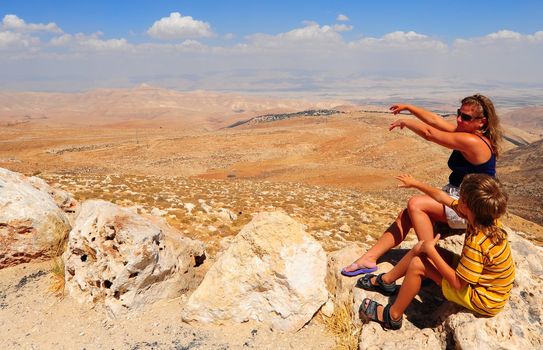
<point x="341" y="325"/>
<point x="57" y="268"/>
<point x="57" y="277"/>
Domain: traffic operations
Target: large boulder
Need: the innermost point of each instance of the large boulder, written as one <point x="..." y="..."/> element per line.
<point x="64" y="200"/>
<point x="125" y="261"/>
<point x="433" y="322"/>
<point x="272" y="272"/>
<point x="32" y="226"/>
<point x="339" y="286"/>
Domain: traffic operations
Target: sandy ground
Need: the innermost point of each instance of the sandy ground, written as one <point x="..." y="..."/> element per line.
<point x="33" y="318"/>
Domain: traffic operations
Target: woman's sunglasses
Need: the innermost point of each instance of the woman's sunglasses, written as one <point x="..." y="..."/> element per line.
<point x="465" y="117"/>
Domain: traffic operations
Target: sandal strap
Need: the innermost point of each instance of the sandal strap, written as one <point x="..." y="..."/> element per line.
<point x="365" y="282"/>
<point x="387" y="287"/>
<point x="388" y="322"/>
<point x="371" y="310"/>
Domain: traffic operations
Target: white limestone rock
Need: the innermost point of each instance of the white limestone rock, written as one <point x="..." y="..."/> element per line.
<point x="339" y="286"/>
<point x="345" y="228"/>
<point x="189" y="207"/>
<point x="32" y="226"/>
<point x="226" y="215"/>
<point x="125" y="261"/>
<point x="63" y="199"/>
<point x="272" y="272"/>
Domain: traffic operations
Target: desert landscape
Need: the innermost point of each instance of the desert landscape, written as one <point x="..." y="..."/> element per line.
<point x="207" y="163"/>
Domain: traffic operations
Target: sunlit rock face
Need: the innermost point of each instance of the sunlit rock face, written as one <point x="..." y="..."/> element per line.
<point x="32" y="226"/>
<point x="124" y="260"/>
<point x="272" y="272"/>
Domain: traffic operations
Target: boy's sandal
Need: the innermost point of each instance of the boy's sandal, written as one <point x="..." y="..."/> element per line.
<point x="369" y="312"/>
<point x="364" y="282"/>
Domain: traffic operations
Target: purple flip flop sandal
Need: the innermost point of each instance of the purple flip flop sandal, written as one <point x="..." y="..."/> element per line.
<point x="357" y="272"/>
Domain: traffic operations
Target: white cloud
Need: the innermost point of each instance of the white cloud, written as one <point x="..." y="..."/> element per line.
<point x="177" y="26"/>
<point x="536" y="36"/>
<point x="105" y="45"/>
<point x="12" y="40"/>
<point x="401" y="40"/>
<point x="505" y="34"/>
<point x="312" y="34"/>
<point x="342" y="18"/>
<point x="342" y="27"/>
<point x="12" y="22"/>
<point x="403" y="37"/>
<point x="61" y="40"/>
<point x="501" y="36"/>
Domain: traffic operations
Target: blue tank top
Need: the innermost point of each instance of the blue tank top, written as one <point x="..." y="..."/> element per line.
<point x="461" y="167"/>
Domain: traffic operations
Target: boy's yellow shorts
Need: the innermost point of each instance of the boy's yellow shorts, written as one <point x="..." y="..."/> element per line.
<point x="460" y="297"/>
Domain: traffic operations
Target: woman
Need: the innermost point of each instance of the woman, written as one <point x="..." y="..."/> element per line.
<point x="474" y="141"/>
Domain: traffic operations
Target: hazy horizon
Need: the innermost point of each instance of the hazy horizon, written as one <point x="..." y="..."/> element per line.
<point x="354" y="51"/>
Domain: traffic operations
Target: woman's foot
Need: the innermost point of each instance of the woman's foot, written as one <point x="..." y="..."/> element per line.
<point x="359" y="268"/>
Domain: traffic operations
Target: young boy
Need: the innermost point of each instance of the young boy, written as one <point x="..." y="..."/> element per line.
<point x="483" y="277"/>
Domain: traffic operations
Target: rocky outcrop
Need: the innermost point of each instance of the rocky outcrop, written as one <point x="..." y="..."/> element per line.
<point x="123" y="260"/>
<point x="63" y="199"/>
<point x="432" y="322"/>
<point x="32" y="226"/>
<point x="340" y="287"/>
<point x="272" y="272"/>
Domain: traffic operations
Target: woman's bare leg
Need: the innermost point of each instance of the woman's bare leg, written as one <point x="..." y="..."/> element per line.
<point x="424" y="211"/>
<point x="394" y="235"/>
<point x="420" y="213"/>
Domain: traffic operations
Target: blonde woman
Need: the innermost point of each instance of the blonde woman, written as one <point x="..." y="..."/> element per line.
<point x="474" y="139"/>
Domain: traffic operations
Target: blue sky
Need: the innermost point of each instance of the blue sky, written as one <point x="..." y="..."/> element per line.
<point x="284" y="47"/>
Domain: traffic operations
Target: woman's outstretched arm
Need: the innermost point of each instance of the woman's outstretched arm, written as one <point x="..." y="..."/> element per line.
<point x="425" y="116"/>
<point x="473" y="148"/>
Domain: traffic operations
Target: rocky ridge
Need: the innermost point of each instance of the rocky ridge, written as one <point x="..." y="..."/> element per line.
<point x="267" y="286"/>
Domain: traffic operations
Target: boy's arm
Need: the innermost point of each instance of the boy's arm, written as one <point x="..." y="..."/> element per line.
<point x="441" y="265"/>
<point x="437" y="194"/>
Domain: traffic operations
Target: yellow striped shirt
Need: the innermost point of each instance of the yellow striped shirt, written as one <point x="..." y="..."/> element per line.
<point x="489" y="269"/>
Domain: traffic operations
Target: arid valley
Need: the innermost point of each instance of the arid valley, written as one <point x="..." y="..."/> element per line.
<point x="208" y="162"/>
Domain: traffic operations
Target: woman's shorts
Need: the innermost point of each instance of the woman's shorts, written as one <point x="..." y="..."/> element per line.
<point x="453" y="219"/>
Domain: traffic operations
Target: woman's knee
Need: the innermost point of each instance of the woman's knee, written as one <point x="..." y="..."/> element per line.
<point x="415" y="203"/>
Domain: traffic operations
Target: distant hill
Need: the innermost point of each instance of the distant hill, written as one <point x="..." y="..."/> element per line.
<point x="143" y="106"/>
<point x="527" y="118"/>
<point x="521" y="170"/>
<point x="280" y="116"/>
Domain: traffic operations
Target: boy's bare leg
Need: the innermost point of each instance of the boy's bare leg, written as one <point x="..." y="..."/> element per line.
<point x="419" y="268"/>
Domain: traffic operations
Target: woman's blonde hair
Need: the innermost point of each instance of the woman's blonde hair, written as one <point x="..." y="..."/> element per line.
<point x="484" y="108"/>
<point x="485" y="198"/>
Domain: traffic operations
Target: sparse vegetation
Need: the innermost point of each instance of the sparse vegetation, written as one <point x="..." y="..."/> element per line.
<point x="320" y="209"/>
<point x="57" y="277"/>
<point x="341" y="325"/>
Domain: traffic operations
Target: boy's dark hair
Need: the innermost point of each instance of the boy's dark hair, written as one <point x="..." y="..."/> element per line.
<point x="485" y="198"/>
